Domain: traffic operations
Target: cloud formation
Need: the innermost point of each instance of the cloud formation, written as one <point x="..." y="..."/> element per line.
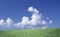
<point x="6" y="23"/>
<point x="36" y="19"/>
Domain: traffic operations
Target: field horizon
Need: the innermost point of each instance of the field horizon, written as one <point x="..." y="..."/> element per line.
<point x="49" y="32"/>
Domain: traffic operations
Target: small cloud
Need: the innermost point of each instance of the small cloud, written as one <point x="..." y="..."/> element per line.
<point x="9" y="22"/>
<point x="30" y="9"/>
<point x="50" y="21"/>
<point x="2" y="22"/>
<point x="43" y="22"/>
<point x="25" y="21"/>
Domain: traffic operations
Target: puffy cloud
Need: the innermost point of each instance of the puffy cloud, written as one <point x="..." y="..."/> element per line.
<point x="18" y="24"/>
<point x="2" y="22"/>
<point x="9" y="22"/>
<point x="30" y="9"/>
<point x="43" y="22"/>
<point x="36" y="19"/>
<point x="35" y="11"/>
<point x="6" y="23"/>
<point x="25" y="20"/>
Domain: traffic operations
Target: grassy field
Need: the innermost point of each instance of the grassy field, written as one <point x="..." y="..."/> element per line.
<point x="31" y="33"/>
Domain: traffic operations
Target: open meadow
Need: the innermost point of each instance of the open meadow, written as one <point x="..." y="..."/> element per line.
<point x="31" y="33"/>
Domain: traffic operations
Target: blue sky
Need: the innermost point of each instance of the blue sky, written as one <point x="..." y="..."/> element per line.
<point x="16" y="9"/>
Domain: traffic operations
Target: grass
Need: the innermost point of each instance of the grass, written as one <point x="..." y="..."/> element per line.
<point x="31" y="33"/>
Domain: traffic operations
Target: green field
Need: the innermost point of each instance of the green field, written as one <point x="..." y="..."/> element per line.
<point x="31" y="33"/>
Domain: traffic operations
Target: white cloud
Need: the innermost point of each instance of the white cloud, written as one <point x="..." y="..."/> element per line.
<point x="18" y="24"/>
<point x="50" y="21"/>
<point x="2" y="22"/>
<point x="36" y="19"/>
<point x="30" y="9"/>
<point x="9" y="22"/>
<point x="43" y="22"/>
<point x="36" y="11"/>
<point x="25" y="20"/>
<point x="6" y="23"/>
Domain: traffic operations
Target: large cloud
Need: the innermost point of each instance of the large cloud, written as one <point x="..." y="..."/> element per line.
<point x="36" y="20"/>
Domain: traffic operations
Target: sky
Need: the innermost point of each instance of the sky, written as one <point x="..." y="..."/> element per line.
<point x="29" y="14"/>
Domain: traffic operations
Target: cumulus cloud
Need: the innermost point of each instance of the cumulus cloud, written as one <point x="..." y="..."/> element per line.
<point x="30" y="9"/>
<point x="44" y="22"/>
<point x="36" y="19"/>
<point x="9" y="21"/>
<point x="2" y="22"/>
<point x="25" y="21"/>
<point x="6" y="23"/>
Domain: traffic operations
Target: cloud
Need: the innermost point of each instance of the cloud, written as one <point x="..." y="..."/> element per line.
<point x="25" y="20"/>
<point x="2" y="22"/>
<point x="30" y="9"/>
<point x="9" y="21"/>
<point x="50" y="21"/>
<point x="6" y="23"/>
<point x="33" y="10"/>
<point x="44" y="22"/>
<point x="36" y="20"/>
